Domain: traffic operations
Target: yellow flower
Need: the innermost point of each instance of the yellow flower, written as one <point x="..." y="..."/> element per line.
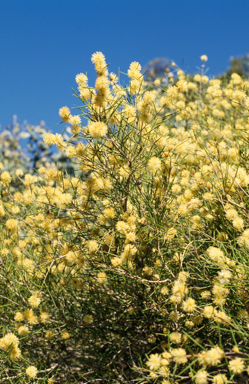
<point x="197" y="78"/>
<point x="9" y="340"/>
<point x="236" y="365"/>
<point x="131" y="236"/>
<point x="49" y="139"/>
<point x="92" y="245"/>
<point x="65" y="114"/>
<point x="15" y="353"/>
<point x="189" y="324"/>
<point x="204" y="79"/>
<point x="220" y="379"/>
<point x="154" y="361"/>
<point x="44" y="317"/>
<point x="201" y="377"/>
<point x="189" y="305"/>
<point x="204" y="58"/>
<point x="23" y="330"/>
<point x="122" y="226"/>
<point x="238" y="223"/>
<point x="100" y="65"/>
<point x="34" y="300"/>
<point x="109" y="212"/>
<point x="5" y="178"/>
<point x="154" y="164"/>
<point x="236" y="349"/>
<point x="172" y="92"/>
<point x="19" y="316"/>
<point x="31" y="371"/>
<point x="179" y="355"/>
<point x="30" y="317"/>
<point x="116" y="261"/>
<point x="97" y="129"/>
<point x="213" y="356"/>
<point x="12" y="225"/>
<point x="134" y="71"/>
<point x="74" y="120"/>
<point x="224" y="276"/>
<point x="175" y="337"/>
<point x="81" y="79"/>
<point x="231" y="214"/>
<point x="182" y="85"/>
<point x="65" y="335"/>
<point x="102" y="84"/>
<point x="208" y="311"/>
<point x="164" y="290"/>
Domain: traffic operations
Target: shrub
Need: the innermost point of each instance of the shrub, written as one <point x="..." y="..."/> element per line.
<point x="135" y="271"/>
<point x="23" y="151"/>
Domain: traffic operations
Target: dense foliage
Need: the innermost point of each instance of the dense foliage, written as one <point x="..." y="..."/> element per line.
<point x="134" y="268"/>
<point x="22" y="149"/>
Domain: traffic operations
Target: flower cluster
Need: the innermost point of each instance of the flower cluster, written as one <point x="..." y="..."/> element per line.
<point x="136" y="263"/>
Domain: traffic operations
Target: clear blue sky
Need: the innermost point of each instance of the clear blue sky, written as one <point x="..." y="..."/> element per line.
<point x="45" y="43"/>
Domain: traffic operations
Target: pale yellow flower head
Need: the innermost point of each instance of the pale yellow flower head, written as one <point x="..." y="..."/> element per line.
<point x="237" y="365"/>
<point x="154" y="361"/>
<point x="31" y="371"/>
<point x="97" y="129"/>
<point x="65" y="114"/>
<point x="204" y="58"/>
<point x="5" y="178"/>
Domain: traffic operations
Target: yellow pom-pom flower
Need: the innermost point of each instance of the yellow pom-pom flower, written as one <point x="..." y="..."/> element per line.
<point x="204" y="58"/>
<point x="31" y="371"/>
<point x="97" y="129"/>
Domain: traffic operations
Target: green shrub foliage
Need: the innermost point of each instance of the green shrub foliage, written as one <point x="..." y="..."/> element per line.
<point x="134" y="268"/>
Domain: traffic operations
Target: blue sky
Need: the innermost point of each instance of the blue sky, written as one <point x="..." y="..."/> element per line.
<point x="45" y="43"/>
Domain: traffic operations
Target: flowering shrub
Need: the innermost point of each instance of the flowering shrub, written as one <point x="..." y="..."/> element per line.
<point x="23" y="151"/>
<point x="136" y="269"/>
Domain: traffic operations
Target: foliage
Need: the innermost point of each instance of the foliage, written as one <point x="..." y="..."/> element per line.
<point x="22" y="150"/>
<point x="239" y="65"/>
<point x="135" y="270"/>
<point x="156" y="68"/>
